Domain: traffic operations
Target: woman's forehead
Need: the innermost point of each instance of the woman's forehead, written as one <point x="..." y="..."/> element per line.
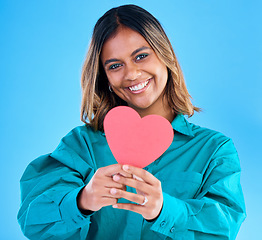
<point x="125" y="41"/>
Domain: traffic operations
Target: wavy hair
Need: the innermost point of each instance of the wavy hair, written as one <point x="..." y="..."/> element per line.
<point x="97" y="100"/>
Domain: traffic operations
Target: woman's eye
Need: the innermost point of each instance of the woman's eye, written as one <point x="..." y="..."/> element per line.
<point x="141" y="56"/>
<point x="114" y="66"/>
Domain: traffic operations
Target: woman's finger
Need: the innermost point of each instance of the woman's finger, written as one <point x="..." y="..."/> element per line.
<point x="140" y="174"/>
<point x="129" y="206"/>
<point x="112" y="170"/>
<point x="108" y="182"/>
<point x="125" y="174"/>
<point x="108" y="201"/>
<point x="131" y="182"/>
<point x="133" y="197"/>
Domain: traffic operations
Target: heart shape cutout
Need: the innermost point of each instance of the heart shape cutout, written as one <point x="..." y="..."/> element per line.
<point x="134" y="140"/>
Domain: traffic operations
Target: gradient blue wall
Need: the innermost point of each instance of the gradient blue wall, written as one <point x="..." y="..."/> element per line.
<point x="43" y="45"/>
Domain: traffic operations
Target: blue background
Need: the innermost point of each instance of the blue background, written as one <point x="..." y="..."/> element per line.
<point x="43" y="46"/>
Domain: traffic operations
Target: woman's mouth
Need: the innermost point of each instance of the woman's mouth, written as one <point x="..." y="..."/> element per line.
<point x="139" y="87"/>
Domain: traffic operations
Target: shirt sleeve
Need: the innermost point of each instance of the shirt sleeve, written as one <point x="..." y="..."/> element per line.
<point x="216" y="212"/>
<point x="49" y="189"/>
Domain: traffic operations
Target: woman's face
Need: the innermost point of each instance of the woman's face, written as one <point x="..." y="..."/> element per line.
<point x="134" y="71"/>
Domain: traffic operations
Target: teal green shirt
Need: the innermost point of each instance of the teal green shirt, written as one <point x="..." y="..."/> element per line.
<point x="199" y="173"/>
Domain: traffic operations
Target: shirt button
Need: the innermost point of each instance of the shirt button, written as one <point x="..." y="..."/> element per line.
<point x="162" y="224"/>
<point x="172" y="229"/>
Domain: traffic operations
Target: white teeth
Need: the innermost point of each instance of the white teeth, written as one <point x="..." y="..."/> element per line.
<point x="139" y="86"/>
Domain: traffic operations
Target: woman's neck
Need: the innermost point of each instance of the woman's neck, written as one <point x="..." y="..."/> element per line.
<point x="163" y="110"/>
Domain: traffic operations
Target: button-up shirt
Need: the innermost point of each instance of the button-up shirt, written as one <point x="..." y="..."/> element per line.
<point x="200" y="179"/>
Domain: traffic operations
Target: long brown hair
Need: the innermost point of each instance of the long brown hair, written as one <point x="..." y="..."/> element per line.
<point x="97" y="99"/>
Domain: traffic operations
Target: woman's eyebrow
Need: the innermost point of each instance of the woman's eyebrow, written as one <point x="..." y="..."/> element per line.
<point x="132" y="54"/>
<point x="111" y="60"/>
<point x="139" y="49"/>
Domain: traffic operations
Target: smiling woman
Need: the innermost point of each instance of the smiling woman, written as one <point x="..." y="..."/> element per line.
<point x="135" y="73"/>
<point x="192" y="191"/>
<point x="128" y="41"/>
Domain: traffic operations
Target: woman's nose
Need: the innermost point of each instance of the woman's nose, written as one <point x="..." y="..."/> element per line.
<point x="132" y="72"/>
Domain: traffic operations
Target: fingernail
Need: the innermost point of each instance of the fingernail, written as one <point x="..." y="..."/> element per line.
<point x="126" y="167"/>
<point x="113" y="191"/>
<point x="116" y="177"/>
<point x="115" y="206"/>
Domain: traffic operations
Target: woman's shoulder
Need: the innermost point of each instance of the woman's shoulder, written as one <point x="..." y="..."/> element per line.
<point x="211" y="136"/>
<point x="85" y="132"/>
<point x="193" y="130"/>
<point x="201" y="130"/>
<point x="217" y="143"/>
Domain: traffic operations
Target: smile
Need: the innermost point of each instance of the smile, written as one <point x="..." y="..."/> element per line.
<point x="139" y="86"/>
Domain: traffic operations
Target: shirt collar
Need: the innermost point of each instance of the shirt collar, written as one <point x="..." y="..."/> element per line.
<point x="181" y="125"/>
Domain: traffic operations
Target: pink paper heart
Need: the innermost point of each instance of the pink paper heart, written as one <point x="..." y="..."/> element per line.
<point x="134" y="140"/>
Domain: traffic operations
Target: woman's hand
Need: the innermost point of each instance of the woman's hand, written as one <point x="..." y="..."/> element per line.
<point x="150" y="188"/>
<point x="96" y="194"/>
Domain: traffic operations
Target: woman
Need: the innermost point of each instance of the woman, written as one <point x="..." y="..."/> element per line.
<point x="79" y="192"/>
